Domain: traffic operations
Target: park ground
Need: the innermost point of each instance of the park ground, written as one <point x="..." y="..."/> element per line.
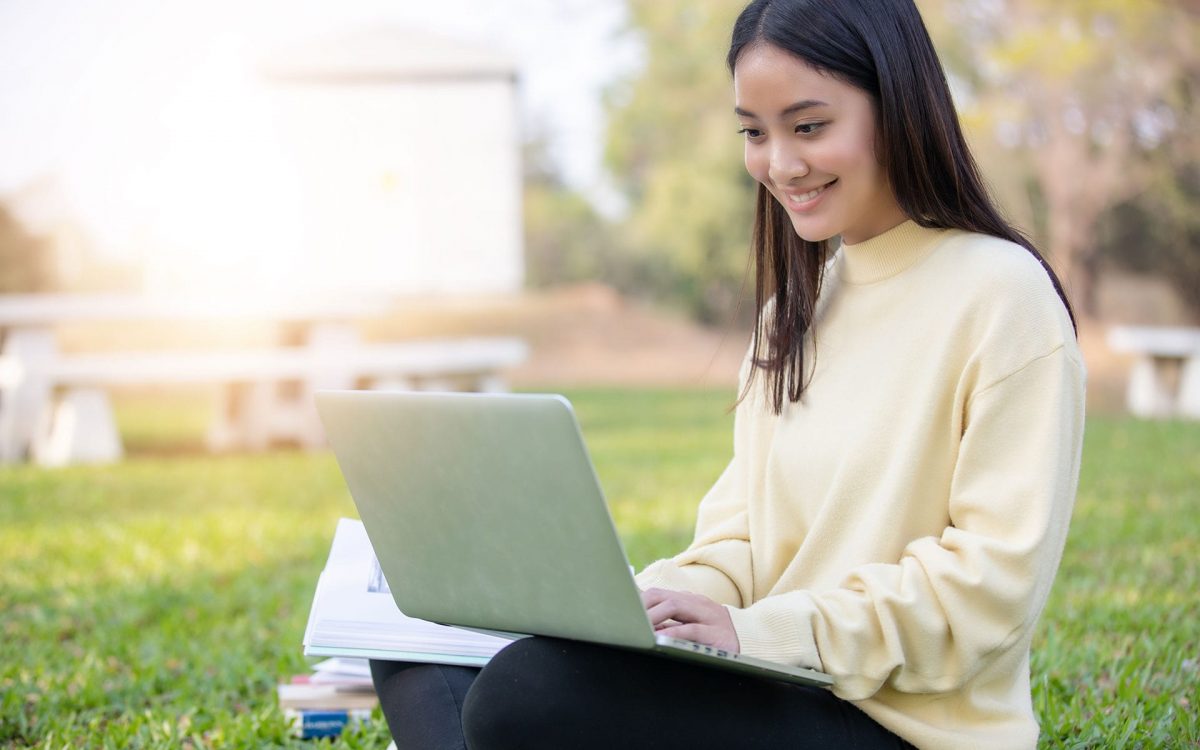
<point x="156" y="603"/>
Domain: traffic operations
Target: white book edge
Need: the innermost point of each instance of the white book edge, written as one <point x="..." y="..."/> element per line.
<point x="352" y="616"/>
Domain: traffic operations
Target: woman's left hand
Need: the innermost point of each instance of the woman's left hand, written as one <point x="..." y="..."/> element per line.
<point x="693" y="617"/>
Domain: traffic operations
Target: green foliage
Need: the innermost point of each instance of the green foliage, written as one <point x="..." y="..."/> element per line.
<point x="1075" y="107"/>
<point x="1158" y="232"/>
<point x="673" y="148"/>
<point x="156" y="603"/>
<point x="566" y="241"/>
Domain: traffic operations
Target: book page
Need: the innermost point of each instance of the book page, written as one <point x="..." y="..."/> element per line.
<point x="353" y="613"/>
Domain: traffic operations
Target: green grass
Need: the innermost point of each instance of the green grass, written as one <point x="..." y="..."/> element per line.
<point x="156" y="603"/>
<point x="1117" y="659"/>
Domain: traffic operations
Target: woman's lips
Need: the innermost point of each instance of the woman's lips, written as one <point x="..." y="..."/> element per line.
<point x="809" y="198"/>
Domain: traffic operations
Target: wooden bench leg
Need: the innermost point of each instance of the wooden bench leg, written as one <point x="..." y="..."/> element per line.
<point x="1147" y="394"/>
<point x="1189" y="388"/>
<point x="294" y="419"/>
<point x="297" y="419"/>
<point x="80" y="429"/>
<point x="242" y="419"/>
<point x="25" y="391"/>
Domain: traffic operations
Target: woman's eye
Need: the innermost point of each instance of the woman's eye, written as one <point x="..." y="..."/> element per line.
<point x="808" y="128"/>
<point x="751" y="133"/>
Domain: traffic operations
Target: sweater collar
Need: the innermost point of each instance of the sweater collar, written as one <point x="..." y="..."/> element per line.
<point x="887" y="254"/>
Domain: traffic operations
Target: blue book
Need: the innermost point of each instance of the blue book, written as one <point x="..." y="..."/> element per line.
<point x="310" y="723"/>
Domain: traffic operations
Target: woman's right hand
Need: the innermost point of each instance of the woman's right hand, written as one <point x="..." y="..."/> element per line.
<point x="692" y="617"/>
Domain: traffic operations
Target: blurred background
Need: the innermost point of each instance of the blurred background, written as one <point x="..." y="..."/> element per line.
<point x="562" y="173"/>
<point x="566" y="172"/>
<point x="209" y="209"/>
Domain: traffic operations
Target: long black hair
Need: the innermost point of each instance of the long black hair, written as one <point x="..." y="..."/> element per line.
<point x="882" y="48"/>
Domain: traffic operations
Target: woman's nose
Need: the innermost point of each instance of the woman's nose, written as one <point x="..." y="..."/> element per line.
<point x="786" y="166"/>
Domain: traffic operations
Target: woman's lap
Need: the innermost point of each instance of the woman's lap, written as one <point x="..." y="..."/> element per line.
<point x="543" y="692"/>
<point x="423" y="702"/>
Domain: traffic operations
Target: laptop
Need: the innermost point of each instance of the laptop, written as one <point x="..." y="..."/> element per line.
<point x="485" y="513"/>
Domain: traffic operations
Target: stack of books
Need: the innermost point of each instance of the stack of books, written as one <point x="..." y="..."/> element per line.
<point x="354" y="618"/>
<point x="336" y="695"/>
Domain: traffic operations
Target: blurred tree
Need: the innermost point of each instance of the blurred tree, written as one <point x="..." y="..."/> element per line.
<point x="673" y="149"/>
<point x="26" y="263"/>
<point x="1077" y="97"/>
<point x="1158" y="233"/>
<point x="1073" y="106"/>
<point x="565" y="239"/>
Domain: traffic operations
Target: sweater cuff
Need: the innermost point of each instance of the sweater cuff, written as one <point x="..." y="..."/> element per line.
<point x="779" y="631"/>
<point x="695" y="578"/>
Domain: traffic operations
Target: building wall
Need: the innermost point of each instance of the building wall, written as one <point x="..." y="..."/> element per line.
<point x="404" y="187"/>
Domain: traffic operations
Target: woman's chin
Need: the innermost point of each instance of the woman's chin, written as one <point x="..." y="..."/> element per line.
<point x="810" y="233"/>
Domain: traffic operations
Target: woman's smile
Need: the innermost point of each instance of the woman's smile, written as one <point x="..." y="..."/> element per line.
<point x="805" y="201"/>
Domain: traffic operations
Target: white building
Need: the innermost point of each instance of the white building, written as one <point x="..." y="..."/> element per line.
<point x="405" y="158"/>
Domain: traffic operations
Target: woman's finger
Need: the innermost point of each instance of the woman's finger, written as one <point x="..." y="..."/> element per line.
<point x="689" y="631"/>
<point x="650" y="597"/>
<point x="684" y="607"/>
<point x="661" y="612"/>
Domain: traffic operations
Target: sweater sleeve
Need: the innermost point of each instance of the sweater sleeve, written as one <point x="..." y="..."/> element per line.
<point x="717" y="563"/>
<point x="932" y="620"/>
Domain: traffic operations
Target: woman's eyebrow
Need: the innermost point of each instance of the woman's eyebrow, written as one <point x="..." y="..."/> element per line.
<point x="790" y="110"/>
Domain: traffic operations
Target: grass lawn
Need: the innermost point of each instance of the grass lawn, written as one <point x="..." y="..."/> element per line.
<point x="156" y="603"/>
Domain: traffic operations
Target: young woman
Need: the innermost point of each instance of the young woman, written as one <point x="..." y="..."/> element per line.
<point x="906" y="448"/>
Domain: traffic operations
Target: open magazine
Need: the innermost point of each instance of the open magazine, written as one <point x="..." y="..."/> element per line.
<point x="353" y="614"/>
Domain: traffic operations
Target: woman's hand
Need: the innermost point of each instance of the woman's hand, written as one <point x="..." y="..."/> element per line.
<point x="692" y="617"/>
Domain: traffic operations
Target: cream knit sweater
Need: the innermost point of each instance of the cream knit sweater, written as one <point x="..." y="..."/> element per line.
<point x="901" y="526"/>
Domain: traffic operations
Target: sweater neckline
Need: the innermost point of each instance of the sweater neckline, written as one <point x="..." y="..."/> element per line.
<point x="887" y="254"/>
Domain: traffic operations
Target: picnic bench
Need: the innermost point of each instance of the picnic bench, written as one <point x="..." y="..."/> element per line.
<point x="55" y="407"/>
<point x="1165" y="381"/>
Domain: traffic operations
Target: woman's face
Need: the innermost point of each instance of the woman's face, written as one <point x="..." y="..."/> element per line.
<point x="810" y="139"/>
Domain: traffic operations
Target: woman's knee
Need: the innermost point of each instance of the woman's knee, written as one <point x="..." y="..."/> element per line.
<point x="525" y="697"/>
<point x="423" y="704"/>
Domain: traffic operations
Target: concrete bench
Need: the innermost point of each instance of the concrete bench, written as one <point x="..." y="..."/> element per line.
<point x="1165" y="381"/>
<point x="56" y="408"/>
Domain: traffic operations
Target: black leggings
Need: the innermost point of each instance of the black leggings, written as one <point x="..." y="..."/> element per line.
<point x="565" y="695"/>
